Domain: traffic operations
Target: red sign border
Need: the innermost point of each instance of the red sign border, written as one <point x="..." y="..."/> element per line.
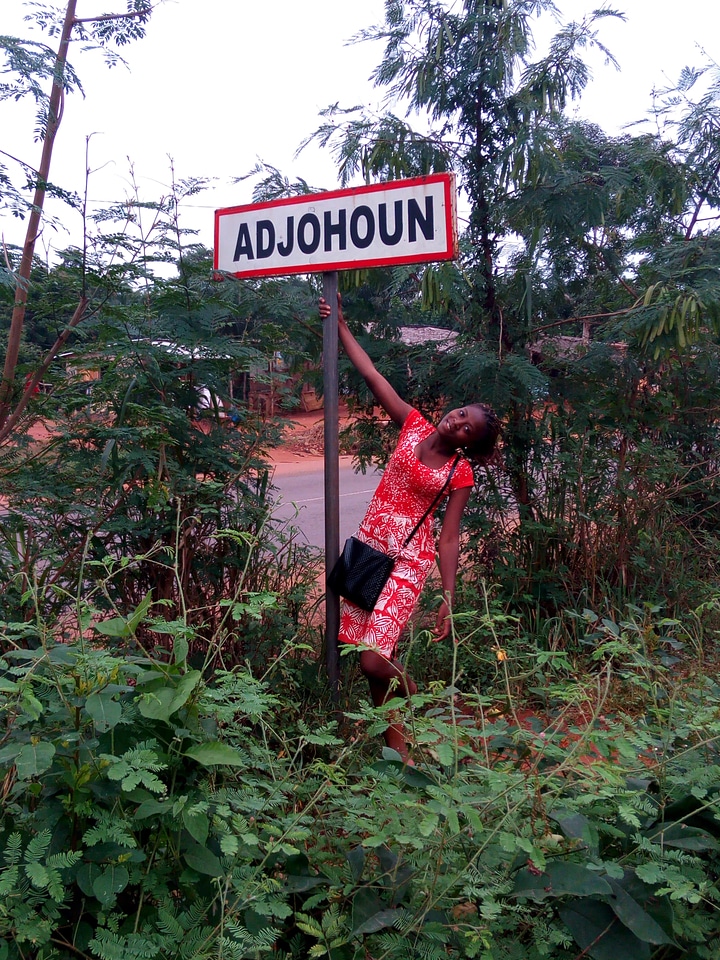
<point x="450" y="253"/>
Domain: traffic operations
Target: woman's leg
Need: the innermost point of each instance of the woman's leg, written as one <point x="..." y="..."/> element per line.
<point x="388" y="679"/>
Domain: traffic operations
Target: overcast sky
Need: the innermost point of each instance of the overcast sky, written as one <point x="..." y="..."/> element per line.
<point x="219" y="84"/>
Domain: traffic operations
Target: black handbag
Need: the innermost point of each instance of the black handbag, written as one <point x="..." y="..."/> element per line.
<point x="361" y="571"/>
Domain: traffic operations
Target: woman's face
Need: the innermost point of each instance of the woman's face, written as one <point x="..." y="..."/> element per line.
<point x="463" y="426"/>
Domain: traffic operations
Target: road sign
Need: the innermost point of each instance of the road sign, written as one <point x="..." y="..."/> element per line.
<point x="403" y="221"/>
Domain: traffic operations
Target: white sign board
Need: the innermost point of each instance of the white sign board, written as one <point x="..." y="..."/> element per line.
<point x="403" y="221"/>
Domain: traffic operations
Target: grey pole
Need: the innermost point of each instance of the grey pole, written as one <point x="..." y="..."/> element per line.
<point x="332" y="476"/>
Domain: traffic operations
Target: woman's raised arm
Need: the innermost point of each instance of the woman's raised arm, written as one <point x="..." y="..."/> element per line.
<point x="385" y="394"/>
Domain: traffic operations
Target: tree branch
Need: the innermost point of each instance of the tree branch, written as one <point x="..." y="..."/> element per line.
<point x="28" y="392"/>
<point x="33" y="228"/>
<point x="115" y="16"/>
<point x="589" y="316"/>
<point x="701" y="200"/>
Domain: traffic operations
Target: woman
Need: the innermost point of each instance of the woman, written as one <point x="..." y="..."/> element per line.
<point x="415" y="475"/>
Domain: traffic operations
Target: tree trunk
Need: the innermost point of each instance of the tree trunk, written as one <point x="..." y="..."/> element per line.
<point x="33" y="228"/>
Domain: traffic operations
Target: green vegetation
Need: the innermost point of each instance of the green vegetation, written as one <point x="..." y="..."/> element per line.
<point x="153" y="809"/>
<point x="175" y="781"/>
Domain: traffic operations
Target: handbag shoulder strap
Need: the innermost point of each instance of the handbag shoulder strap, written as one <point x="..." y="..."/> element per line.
<point x="435" y="502"/>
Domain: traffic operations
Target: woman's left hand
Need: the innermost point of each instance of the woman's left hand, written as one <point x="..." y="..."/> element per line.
<point x="443" y="626"/>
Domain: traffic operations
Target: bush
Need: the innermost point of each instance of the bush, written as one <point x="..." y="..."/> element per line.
<point x="150" y="809"/>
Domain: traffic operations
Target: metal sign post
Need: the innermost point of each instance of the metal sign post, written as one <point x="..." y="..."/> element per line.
<point x="332" y="476"/>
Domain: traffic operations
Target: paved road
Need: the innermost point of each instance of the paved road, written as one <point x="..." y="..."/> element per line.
<point x="301" y="496"/>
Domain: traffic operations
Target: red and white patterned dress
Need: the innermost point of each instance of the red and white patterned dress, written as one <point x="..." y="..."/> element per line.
<point x="406" y="490"/>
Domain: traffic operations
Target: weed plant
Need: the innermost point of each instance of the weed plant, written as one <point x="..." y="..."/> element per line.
<point x="156" y="808"/>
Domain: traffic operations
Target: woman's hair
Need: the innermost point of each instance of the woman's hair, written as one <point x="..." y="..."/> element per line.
<point x="482" y="450"/>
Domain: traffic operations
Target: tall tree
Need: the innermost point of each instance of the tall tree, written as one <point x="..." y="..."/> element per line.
<point x="466" y="70"/>
<point x="34" y="62"/>
<point x="466" y="67"/>
<point x="569" y="231"/>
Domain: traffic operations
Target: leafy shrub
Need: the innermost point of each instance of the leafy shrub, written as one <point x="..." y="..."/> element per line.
<point x="150" y="809"/>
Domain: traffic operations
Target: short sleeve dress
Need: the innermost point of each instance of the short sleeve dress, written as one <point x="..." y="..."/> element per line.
<point x="405" y="492"/>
